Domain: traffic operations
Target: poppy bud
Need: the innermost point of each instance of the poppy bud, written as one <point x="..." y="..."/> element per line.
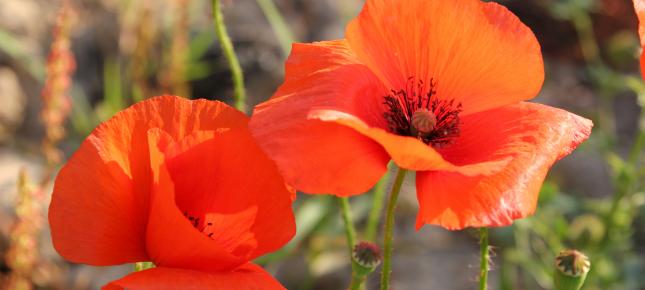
<point x="571" y="270"/>
<point x="366" y="257"/>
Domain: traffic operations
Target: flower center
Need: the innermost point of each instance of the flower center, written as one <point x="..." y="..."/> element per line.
<point x="416" y="111"/>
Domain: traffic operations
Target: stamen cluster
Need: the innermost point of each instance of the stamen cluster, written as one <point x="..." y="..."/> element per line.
<point x="436" y="121"/>
<point x="202" y="227"/>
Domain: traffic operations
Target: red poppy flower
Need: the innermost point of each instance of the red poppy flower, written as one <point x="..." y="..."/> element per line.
<point x="436" y="86"/>
<point x="639" y="6"/>
<point x="177" y="182"/>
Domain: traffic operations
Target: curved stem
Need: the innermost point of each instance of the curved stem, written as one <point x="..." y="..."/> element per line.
<point x="231" y="58"/>
<point x="388" y="231"/>
<point x="140" y="266"/>
<point x="484" y="257"/>
<point x="357" y="281"/>
<point x="377" y="206"/>
<point x="279" y="25"/>
<point x="350" y="233"/>
<point x="584" y="28"/>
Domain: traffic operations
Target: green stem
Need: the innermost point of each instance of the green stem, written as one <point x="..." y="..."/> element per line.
<point x="637" y="149"/>
<point x="357" y="281"/>
<point x="280" y="27"/>
<point x="584" y="28"/>
<point x="389" y="229"/>
<point x="140" y="266"/>
<point x="484" y="256"/>
<point x="231" y="58"/>
<point x="377" y="207"/>
<point x="350" y="232"/>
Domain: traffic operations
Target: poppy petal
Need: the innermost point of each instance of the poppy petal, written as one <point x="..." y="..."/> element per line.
<point x="234" y="209"/>
<point x="100" y="203"/>
<point x="639" y="7"/>
<point x="533" y="135"/>
<point x="241" y="186"/>
<point x="480" y="54"/>
<point x="326" y="75"/>
<point x="246" y="277"/>
<point x="94" y="215"/>
<point x="408" y="152"/>
<point x="643" y="64"/>
<point x="171" y="239"/>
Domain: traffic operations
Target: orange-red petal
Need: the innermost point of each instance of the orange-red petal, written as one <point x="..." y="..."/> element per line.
<point x="533" y="135"/>
<point x="314" y="156"/>
<point x="408" y="152"/>
<point x="236" y="192"/>
<point x="246" y="277"/>
<point x="95" y="216"/>
<point x="639" y="7"/>
<point x="99" y="207"/>
<point x="240" y="185"/>
<point x="171" y="240"/>
<point x="479" y="53"/>
<point x="643" y="64"/>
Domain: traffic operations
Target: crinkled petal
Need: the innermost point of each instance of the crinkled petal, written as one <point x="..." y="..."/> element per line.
<point x="639" y="7"/>
<point x="238" y="194"/>
<point x="246" y="277"/>
<point x="533" y="135"/>
<point x="171" y="239"/>
<point x="480" y="54"/>
<point x="95" y="216"/>
<point x="408" y="152"/>
<point x="314" y="156"/>
<point x="100" y="202"/>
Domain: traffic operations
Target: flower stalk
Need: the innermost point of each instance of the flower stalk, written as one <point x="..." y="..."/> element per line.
<point x="279" y="25"/>
<point x="229" y="53"/>
<point x="389" y="229"/>
<point x="140" y="266"/>
<point x="346" y="213"/>
<point x="484" y="258"/>
<point x="350" y="234"/>
<point x="377" y="207"/>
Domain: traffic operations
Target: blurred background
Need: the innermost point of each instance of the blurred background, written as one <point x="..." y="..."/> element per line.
<point x="67" y="66"/>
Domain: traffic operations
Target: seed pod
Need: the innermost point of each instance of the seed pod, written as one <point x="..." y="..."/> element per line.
<point x="365" y="258"/>
<point x="571" y="270"/>
<point x="424" y="121"/>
